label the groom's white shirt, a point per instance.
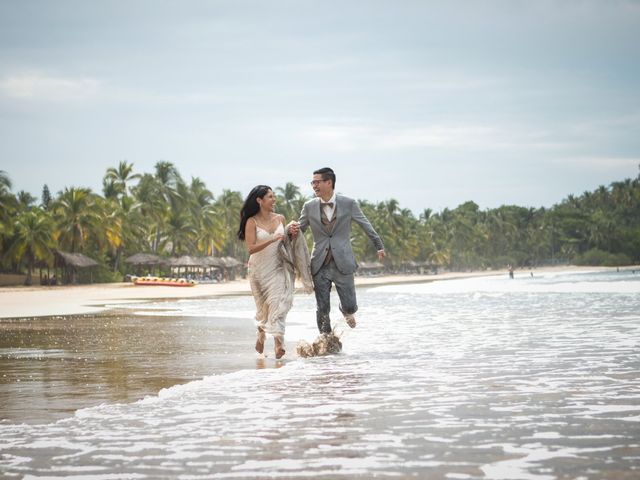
(329, 210)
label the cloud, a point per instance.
(467, 137)
(604, 164)
(41, 87)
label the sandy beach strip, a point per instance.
(38, 301)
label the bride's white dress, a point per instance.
(271, 285)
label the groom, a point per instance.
(330, 215)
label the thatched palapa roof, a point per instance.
(214, 262)
(144, 259)
(76, 260)
(230, 262)
(370, 265)
(187, 261)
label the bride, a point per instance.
(271, 282)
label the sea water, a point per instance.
(531, 378)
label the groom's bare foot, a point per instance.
(350, 319)
(260, 341)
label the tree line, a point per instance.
(162, 213)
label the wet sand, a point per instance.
(52, 366)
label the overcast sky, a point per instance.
(432, 103)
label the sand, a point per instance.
(38, 301)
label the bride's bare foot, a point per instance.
(280, 351)
(260, 341)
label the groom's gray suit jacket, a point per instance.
(338, 239)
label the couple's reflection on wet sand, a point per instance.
(53, 366)
(264, 362)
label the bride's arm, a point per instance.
(250, 238)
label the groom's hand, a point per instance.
(294, 228)
(381, 255)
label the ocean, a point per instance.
(532, 378)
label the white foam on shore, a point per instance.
(579, 282)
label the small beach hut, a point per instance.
(187, 262)
(71, 264)
(214, 264)
(370, 268)
(148, 260)
(232, 266)
(411, 266)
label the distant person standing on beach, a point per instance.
(332, 262)
(272, 282)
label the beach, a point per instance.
(39, 301)
(474, 377)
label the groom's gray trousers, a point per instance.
(345, 287)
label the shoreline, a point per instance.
(44, 301)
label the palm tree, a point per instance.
(388, 223)
(110, 189)
(426, 214)
(25, 200)
(5, 183)
(32, 239)
(110, 232)
(208, 237)
(7, 207)
(120, 176)
(7, 200)
(227, 207)
(180, 232)
(502, 232)
(168, 185)
(150, 209)
(602, 230)
(200, 194)
(168, 180)
(363, 249)
(290, 200)
(462, 235)
(203, 218)
(76, 216)
(435, 241)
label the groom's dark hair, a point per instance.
(327, 174)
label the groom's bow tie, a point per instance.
(327, 204)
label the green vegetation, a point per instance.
(161, 213)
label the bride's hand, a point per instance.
(293, 227)
(278, 237)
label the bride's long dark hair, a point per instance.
(251, 206)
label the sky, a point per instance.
(431, 103)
